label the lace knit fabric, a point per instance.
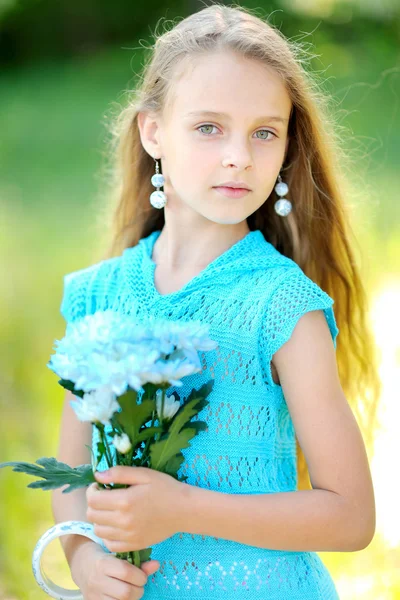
(252, 297)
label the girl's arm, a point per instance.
(338, 514)
(74, 434)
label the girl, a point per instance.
(250, 235)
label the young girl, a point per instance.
(249, 234)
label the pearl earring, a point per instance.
(158, 199)
(282, 206)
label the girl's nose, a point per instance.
(238, 156)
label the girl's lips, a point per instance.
(232, 192)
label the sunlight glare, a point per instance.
(384, 464)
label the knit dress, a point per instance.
(252, 297)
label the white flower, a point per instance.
(172, 370)
(183, 335)
(111, 349)
(97, 406)
(171, 406)
(122, 443)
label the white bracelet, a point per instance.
(64, 528)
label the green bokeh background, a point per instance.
(62, 66)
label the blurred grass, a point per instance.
(50, 155)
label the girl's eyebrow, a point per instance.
(220, 114)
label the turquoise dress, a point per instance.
(252, 297)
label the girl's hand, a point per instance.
(134, 518)
(101, 576)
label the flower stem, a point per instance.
(105, 444)
(144, 453)
(162, 404)
(132, 557)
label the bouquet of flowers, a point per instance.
(106, 360)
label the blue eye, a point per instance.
(259, 131)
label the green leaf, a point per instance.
(69, 385)
(148, 432)
(55, 474)
(166, 450)
(133, 415)
(145, 555)
(173, 465)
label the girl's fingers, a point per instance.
(102, 517)
(115, 588)
(109, 533)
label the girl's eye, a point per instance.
(259, 131)
(265, 131)
(202, 127)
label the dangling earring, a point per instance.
(158, 199)
(282, 206)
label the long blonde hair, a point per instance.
(316, 234)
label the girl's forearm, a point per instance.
(306, 520)
(70, 507)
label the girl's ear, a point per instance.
(149, 132)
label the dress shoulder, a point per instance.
(293, 295)
(84, 288)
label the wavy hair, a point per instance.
(316, 234)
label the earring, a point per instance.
(282, 206)
(158, 199)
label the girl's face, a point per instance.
(244, 141)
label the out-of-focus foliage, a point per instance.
(37, 28)
(51, 145)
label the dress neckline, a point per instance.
(149, 266)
